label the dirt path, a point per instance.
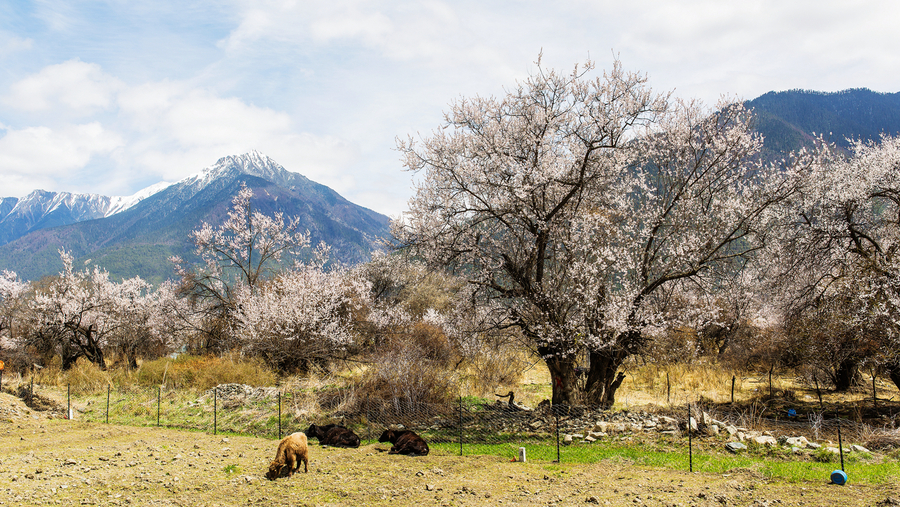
(57, 462)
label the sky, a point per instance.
(112, 96)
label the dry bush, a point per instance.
(204, 372)
(497, 369)
(415, 367)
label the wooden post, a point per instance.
(819, 393)
(874, 396)
(668, 389)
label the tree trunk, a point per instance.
(604, 377)
(563, 379)
(893, 370)
(846, 374)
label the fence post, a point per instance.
(460, 425)
(819, 393)
(31, 389)
(158, 402)
(668, 389)
(690, 441)
(556, 411)
(107, 403)
(279, 414)
(215, 409)
(841, 446)
(732, 389)
(69, 401)
(874, 397)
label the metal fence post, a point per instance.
(279, 414)
(841, 446)
(107, 403)
(556, 411)
(690, 441)
(733, 378)
(69, 401)
(158, 402)
(460, 425)
(215, 409)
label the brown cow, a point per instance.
(334, 435)
(405, 442)
(291, 451)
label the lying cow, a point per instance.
(291, 451)
(405, 442)
(334, 435)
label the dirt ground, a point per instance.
(52, 461)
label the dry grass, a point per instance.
(204, 372)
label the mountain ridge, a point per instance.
(140, 238)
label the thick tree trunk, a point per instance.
(604, 377)
(846, 374)
(563, 378)
(893, 370)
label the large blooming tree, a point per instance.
(577, 205)
(839, 255)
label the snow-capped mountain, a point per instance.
(42, 209)
(135, 235)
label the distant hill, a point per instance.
(788, 120)
(138, 237)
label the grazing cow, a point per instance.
(405, 442)
(334, 435)
(291, 451)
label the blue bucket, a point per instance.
(839, 477)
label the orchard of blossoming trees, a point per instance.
(584, 218)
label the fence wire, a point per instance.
(468, 427)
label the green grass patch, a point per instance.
(675, 457)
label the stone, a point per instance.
(794, 441)
(693, 424)
(766, 440)
(713, 429)
(813, 445)
(735, 447)
(858, 448)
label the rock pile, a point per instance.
(242, 391)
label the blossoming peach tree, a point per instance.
(577, 205)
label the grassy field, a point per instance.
(47, 460)
(60, 462)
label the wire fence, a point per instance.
(468, 427)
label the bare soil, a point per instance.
(52, 461)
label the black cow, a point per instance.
(333, 435)
(405, 442)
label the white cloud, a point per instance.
(75, 86)
(42, 151)
(10, 44)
